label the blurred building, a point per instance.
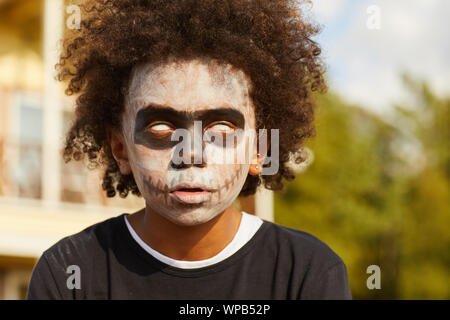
(42, 199)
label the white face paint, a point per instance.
(171, 96)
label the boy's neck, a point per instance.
(189, 243)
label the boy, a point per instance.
(162, 85)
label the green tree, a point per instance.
(426, 237)
(368, 199)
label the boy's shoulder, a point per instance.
(300, 245)
(84, 251)
(315, 270)
(91, 241)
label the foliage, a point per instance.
(377, 192)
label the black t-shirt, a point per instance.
(276, 263)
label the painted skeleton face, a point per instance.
(203, 100)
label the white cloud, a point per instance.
(325, 10)
(365, 65)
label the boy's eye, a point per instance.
(222, 127)
(160, 127)
(163, 128)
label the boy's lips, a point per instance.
(191, 193)
(192, 187)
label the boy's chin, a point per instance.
(192, 217)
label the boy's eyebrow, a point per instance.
(168, 113)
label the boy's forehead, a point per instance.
(188, 86)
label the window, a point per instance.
(27, 173)
(22, 147)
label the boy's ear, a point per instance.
(119, 150)
(259, 155)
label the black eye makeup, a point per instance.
(155, 124)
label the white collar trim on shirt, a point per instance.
(247, 228)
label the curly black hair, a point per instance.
(270, 40)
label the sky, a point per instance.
(368, 44)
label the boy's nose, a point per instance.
(192, 151)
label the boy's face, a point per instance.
(202, 99)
